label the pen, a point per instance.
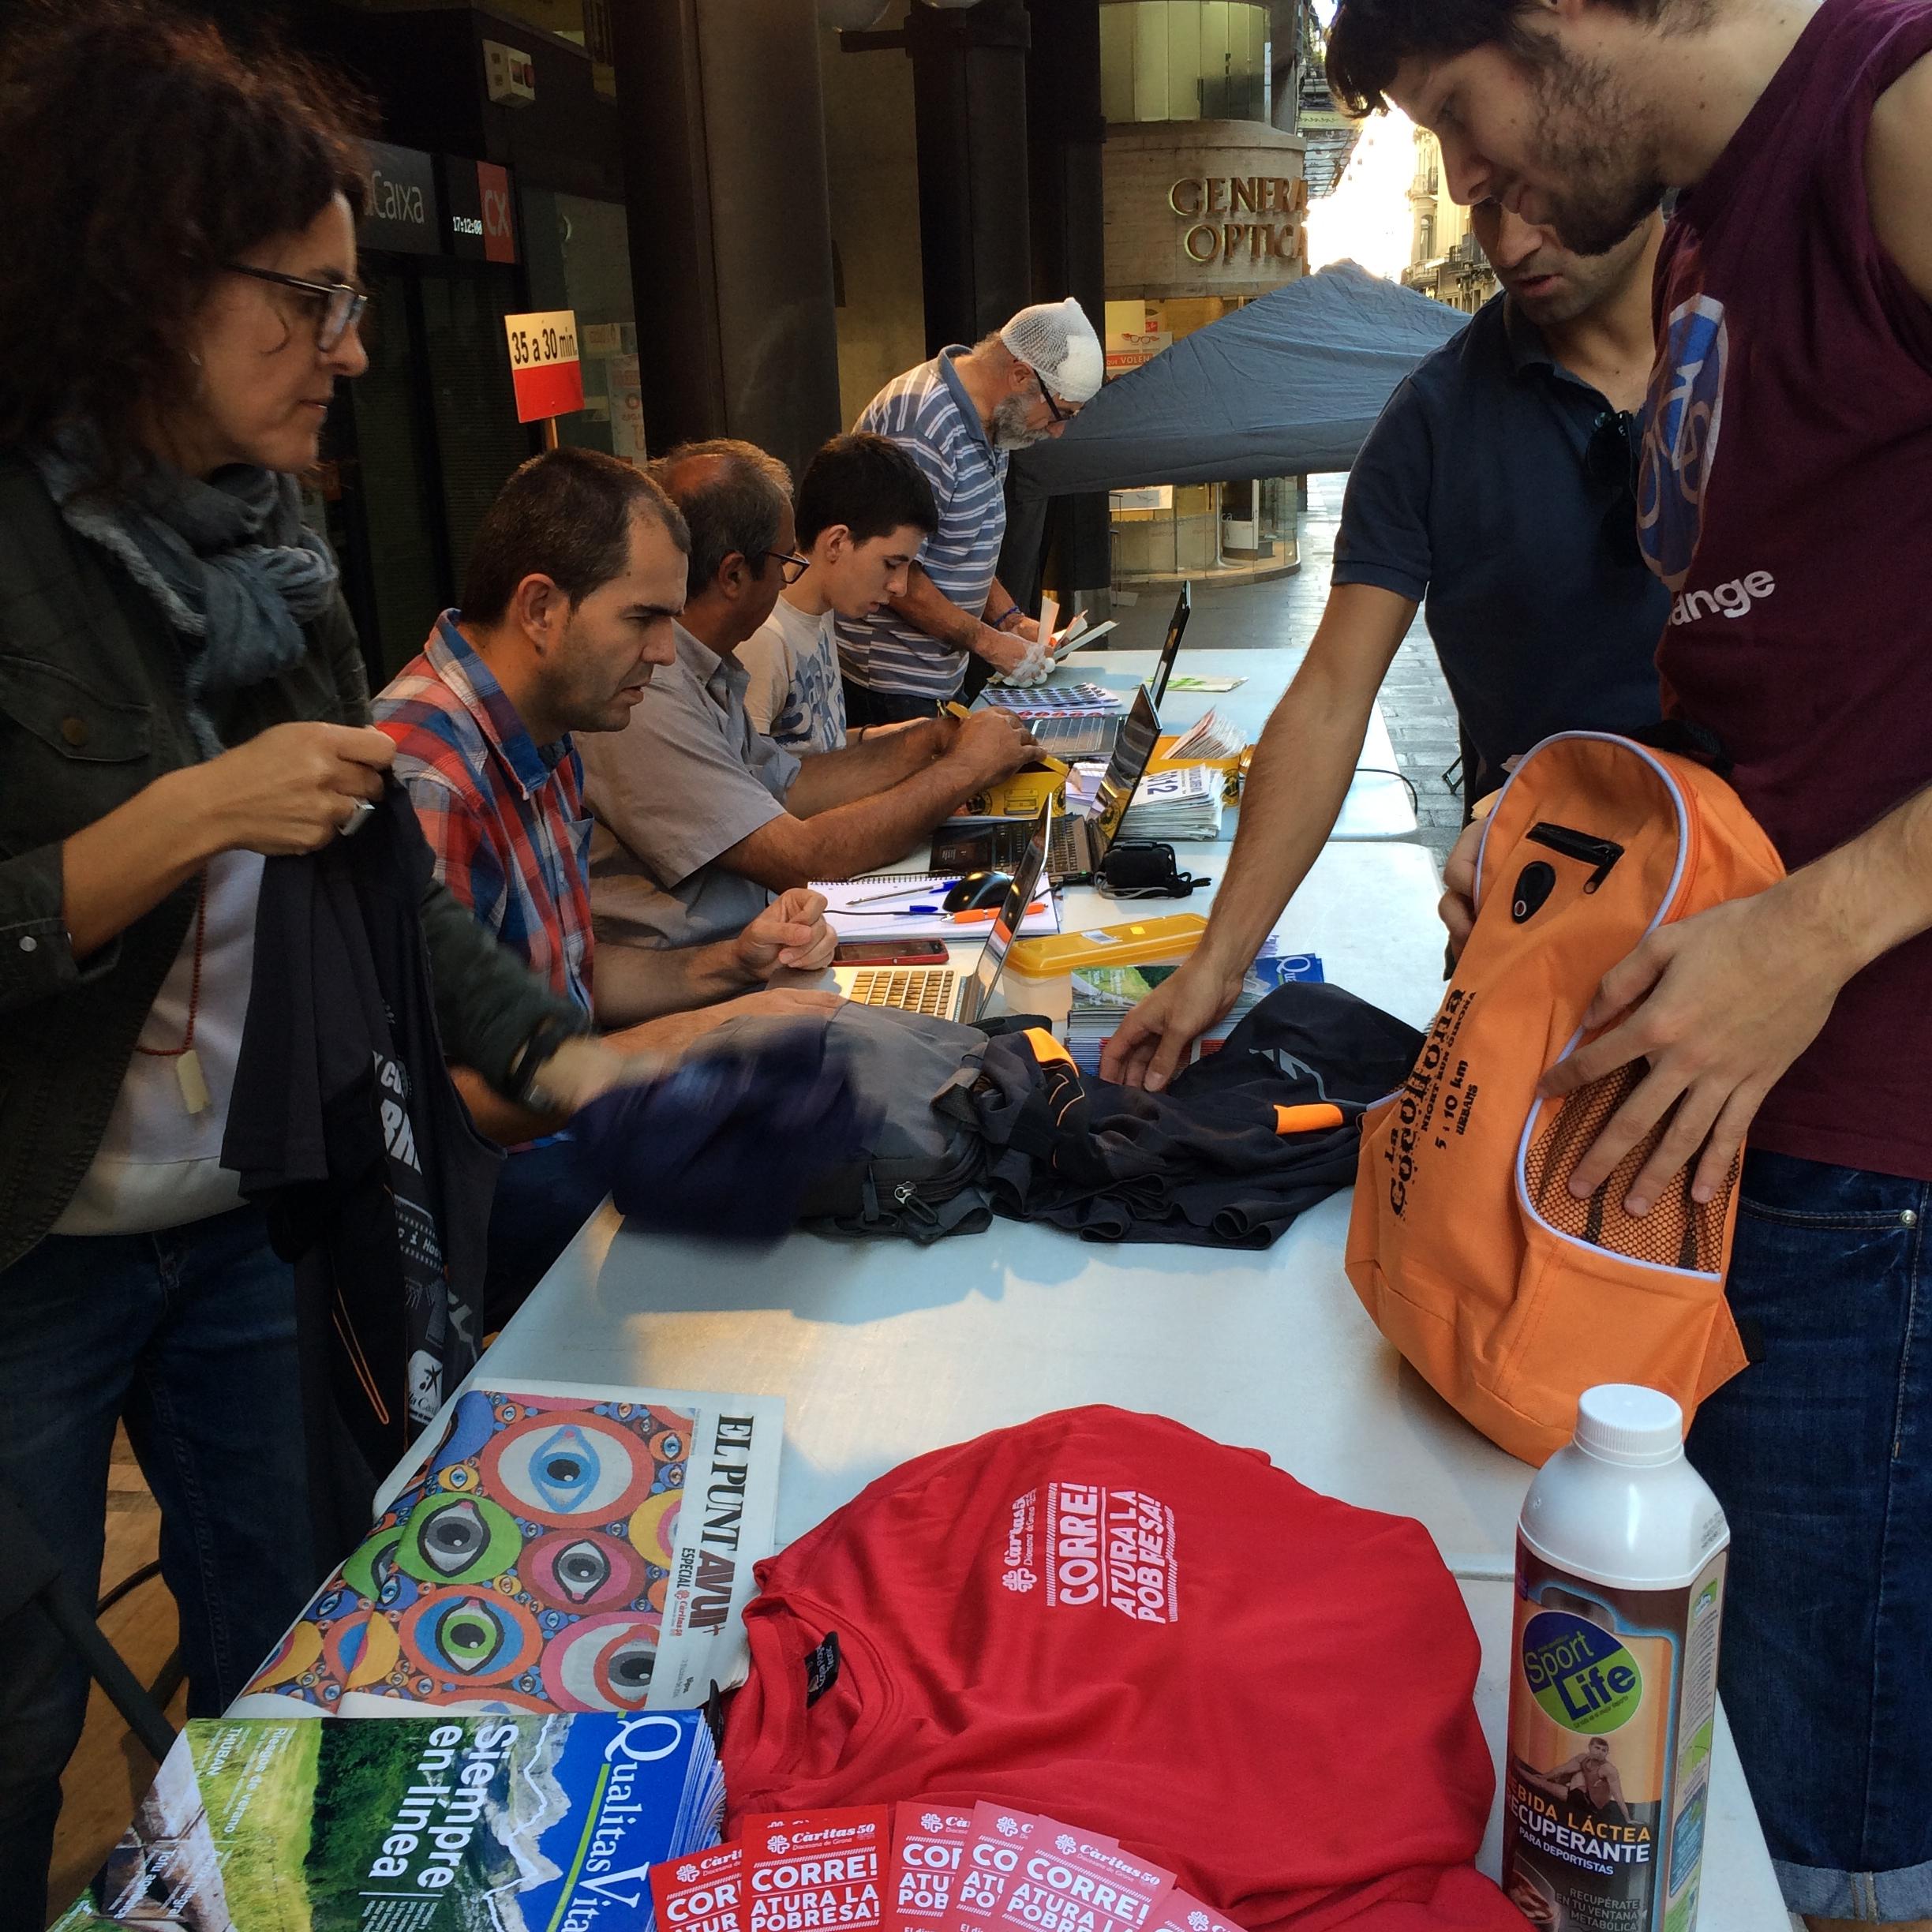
(923, 885)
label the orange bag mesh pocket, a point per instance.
(1677, 1233)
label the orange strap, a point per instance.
(1318, 1117)
(1045, 1047)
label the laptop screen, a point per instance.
(1133, 752)
(1177, 624)
(1007, 921)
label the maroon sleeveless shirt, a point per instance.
(1785, 498)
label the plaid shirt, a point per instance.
(504, 815)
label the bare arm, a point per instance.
(1898, 173)
(847, 840)
(880, 761)
(1299, 777)
(926, 608)
(634, 984)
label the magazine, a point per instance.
(517, 1823)
(560, 1546)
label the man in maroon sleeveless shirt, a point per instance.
(1783, 498)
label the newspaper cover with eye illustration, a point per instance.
(558, 1548)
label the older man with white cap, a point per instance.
(961, 415)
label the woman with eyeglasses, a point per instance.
(180, 694)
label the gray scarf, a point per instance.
(235, 570)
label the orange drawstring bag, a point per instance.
(1509, 1296)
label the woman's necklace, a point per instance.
(188, 1074)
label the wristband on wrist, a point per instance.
(1005, 617)
(521, 1080)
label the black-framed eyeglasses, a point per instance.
(792, 566)
(1046, 395)
(340, 306)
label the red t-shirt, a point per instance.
(1785, 496)
(1110, 1619)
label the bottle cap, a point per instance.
(1623, 1422)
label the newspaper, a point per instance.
(559, 1546)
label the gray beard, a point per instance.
(1010, 428)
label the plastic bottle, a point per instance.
(1620, 1560)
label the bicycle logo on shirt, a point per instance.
(1682, 415)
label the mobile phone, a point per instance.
(891, 952)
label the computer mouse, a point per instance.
(976, 891)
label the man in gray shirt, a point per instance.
(700, 818)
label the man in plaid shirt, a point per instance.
(578, 573)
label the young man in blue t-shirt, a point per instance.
(1496, 492)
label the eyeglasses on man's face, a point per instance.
(339, 306)
(1057, 410)
(792, 566)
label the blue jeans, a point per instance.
(543, 1197)
(1822, 1454)
(189, 1334)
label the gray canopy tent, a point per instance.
(1288, 385)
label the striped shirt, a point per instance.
(928, 412)
(504, 815)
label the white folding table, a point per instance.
(883, 1351)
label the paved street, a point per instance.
(1282, 617)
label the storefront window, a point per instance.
(393, 476)
(579, 257)
(1183, 60)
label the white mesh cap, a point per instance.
(1058, 342)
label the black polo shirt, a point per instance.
(1474, 496)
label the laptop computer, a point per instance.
(1089, 737)
(1171, 649)
(1079, 844)
(941, 991)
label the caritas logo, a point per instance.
(1090, 1546)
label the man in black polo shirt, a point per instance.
(1497, 486)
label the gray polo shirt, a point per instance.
(685, 780)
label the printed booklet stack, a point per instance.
(927, 1864)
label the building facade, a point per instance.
(1444, 260)
(1206, 202)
